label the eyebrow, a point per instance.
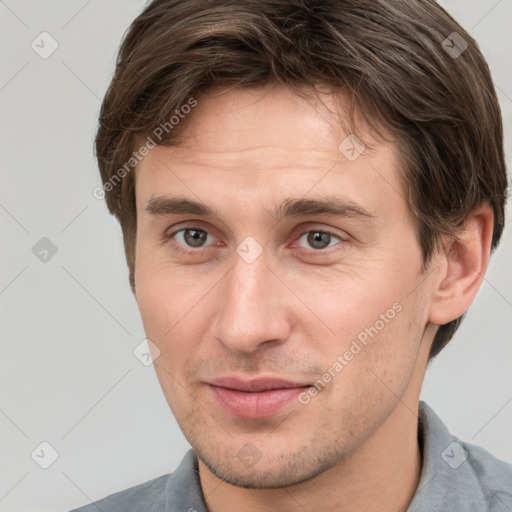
(329, 205)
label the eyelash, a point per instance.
(179, 246)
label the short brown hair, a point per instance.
(392, 56)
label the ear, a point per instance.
(464, 264)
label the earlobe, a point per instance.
(465, 262)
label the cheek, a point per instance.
(168, 319)
(352, 302)
(153, 300)
(164, 296)
(173, 306)
(158, 310)
(375, 326)
(390, 343)
(370, 370)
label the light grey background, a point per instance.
(69, 326)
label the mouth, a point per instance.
(254, 399)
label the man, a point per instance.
(309, 193)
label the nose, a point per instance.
(252, 307)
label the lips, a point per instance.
(253, 399)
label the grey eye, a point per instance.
(193, 237)
(319, 239)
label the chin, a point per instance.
(269, 472)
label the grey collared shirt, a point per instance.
(455, 477)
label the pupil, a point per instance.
(317, 239)
(195, 237)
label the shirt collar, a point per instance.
(448, 480)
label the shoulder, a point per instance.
(146, 497)
(180, 490)
(457, 475)
(493, 475)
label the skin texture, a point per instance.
(292, 311)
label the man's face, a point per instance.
(245, 295)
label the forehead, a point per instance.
(273, 142)
(231, 120)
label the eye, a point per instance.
(320, 239)
(191, 237)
